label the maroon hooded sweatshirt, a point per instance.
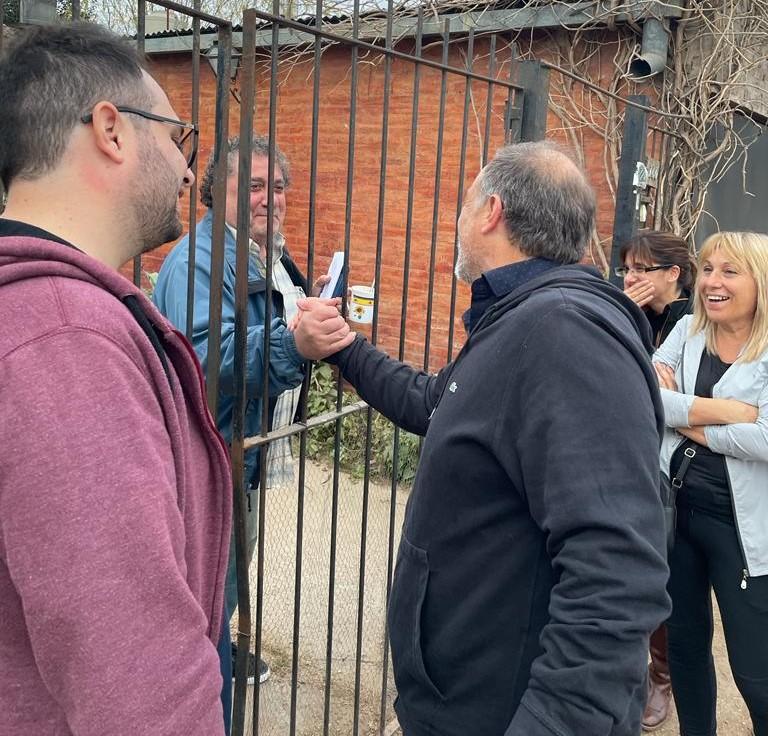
(115, 508)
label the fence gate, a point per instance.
(383, 134)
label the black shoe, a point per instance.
(262, 667)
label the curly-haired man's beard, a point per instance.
(156, 200)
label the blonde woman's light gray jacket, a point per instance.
(745, 446)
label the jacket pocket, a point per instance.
(405, 607)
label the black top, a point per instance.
(662, 324)
(705, 485)
(12, 228)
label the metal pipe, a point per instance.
(652, 58)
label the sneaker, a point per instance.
(253, 666)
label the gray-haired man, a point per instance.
(531, 568)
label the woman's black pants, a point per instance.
(707, 556)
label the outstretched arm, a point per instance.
(404, 395)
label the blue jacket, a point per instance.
(285, 362)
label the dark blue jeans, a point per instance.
(225, 663)
(707, 556)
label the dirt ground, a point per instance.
(325, 698)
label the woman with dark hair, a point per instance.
(658, 274)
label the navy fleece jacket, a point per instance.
(531, 569)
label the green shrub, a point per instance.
(352, 439)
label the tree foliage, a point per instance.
(10, 11)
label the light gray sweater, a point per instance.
(745, 446)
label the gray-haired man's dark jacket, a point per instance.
(531, 569)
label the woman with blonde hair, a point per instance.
(713, 372)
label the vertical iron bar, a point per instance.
(375, 329)
(436, 203)
(411, 185)
(140, 37)
(403, 318)
(332, 562)
(312, 215)
(656, 142)
(264, 451)
(366, 474)
(382, 171)
(339, 385)
(248, 95)
(193, 191)
(489, 100)
(75, 10)
(659, 207)
(512, 97)
(632, 151)
(219, 195)
(534, 80)
(460, 194)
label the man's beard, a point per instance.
(155, 204)
(465, 269)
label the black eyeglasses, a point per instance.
(187, 144)
(622, 271)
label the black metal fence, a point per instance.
(643, 192)
(315, 599)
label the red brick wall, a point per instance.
(294, 121)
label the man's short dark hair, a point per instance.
(49, 77)
(259, 147)
(549, 206)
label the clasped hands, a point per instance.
(319, 329)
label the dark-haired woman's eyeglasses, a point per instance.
(186, 143)
(622, 271)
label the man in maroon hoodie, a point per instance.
(115, 491)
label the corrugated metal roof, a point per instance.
(307, 20)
